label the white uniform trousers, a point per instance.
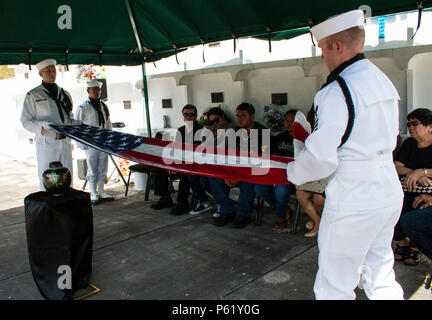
(354, 243)
(45, 154)
(97, 165)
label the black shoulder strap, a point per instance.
(67, 102)
(64, 104)
(105, 109)
(351, 111)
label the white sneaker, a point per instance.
(218, 212)
(201, 207)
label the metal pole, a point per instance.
(146, 102)
(140, 48)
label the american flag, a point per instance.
(182, 157)
(301, 130)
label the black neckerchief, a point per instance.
(51, 87)
(334, 74)
(62, 100)
(96, 103)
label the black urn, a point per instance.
(56, 179)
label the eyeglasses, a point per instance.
(189, 114)
(413, 123)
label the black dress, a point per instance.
(413, 158)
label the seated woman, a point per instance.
(414, 163)
(219, 124)
(311, 198)
(417, 224)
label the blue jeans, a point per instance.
(220, 192)
(417, 225)
(276, 196)
(199, 186)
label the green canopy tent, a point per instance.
(133, 32)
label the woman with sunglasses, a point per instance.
(414, 162)
(219, 124)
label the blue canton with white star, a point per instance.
(101, 138)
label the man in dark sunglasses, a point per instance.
(414, 123)
(184, 134)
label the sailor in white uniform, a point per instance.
(364, 195)
(94, 112)
(44, 105)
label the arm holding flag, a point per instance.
(318, 159)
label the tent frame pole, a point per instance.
(144, 75)
(146, 101)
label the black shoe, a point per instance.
(180, 208)
(164, 202)
(240, 221)
(223, 219)
(201, 207)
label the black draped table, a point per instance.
(60, 241)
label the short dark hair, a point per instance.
(219, 112)
(246, 107)
(421, 114)
(291, 111)
(190, 106)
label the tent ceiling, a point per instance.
(161, 25)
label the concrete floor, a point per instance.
(144, 254)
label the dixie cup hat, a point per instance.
(338, 23)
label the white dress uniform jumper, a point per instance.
(94, 112)
(47, 104)
(364, 195)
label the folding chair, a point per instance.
(260, 209)
(82, 171)
(150, 171)
(141, 169)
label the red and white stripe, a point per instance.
(211, 162)
(301, 130)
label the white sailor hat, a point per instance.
(94, 83)
(45, 63)
(335, 24)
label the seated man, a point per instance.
(191, 126)
(417, 225)
(278, 196)
(245, 119)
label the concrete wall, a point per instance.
(201, 87)
(166, 88)
(421, 66)
(262, 83)
(255, 85)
